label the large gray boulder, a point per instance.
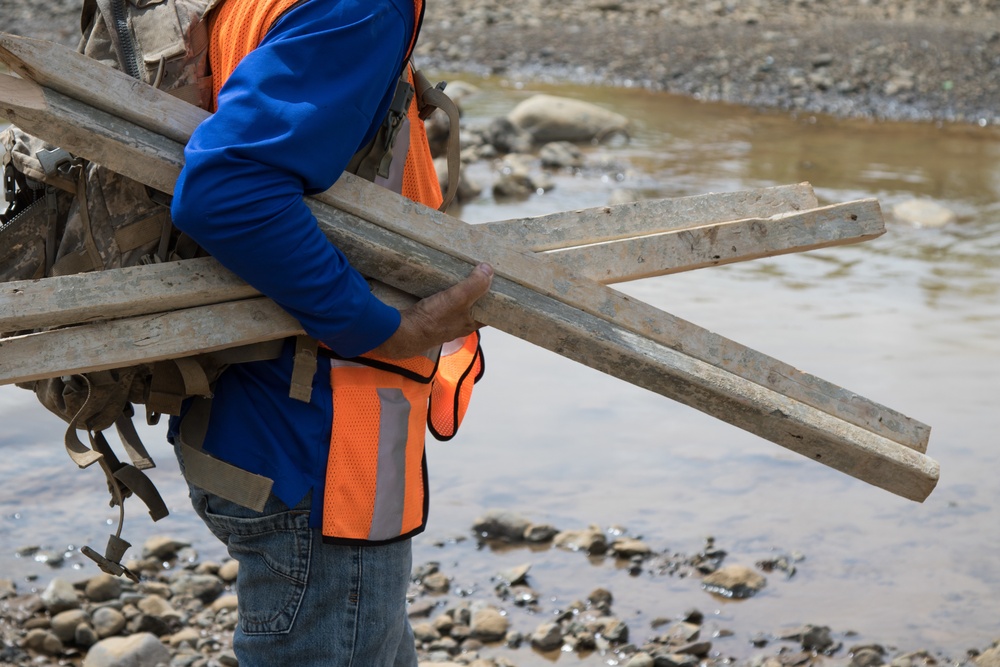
(551, 118)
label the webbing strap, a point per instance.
(303, 368)
(138, 483)
(225, 480)
(212, 474)
(142, 232)
(131, 441)
(429, 98)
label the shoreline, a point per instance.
(846, 62)
(891, 60)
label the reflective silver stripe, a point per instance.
(390, 485)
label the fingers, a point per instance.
(439, 318)
(475, 285)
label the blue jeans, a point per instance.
(306, 603)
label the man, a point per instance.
(310, 83)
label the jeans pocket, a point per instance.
(274, 553)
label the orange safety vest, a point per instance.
(376, 478)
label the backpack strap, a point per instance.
(430, 98)
(215, 475)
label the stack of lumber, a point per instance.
(550, 286)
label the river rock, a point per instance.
(502, 525)
(628, 547)
(162, 548)
(489, 625)
(85, 636)
(103, 587)
(64, 623)
(8, 589)
(591, 540)
(204, 587)
(640, 660)
(468, 189)
(552, 118)
(868, 656)
(158, 607)
(228, 570)
(923, 213)
(621, 196)
(425, 632)
(514, 576)
(734, 581)
(43, 641)
(228, 602)
(139, 650)
(990, 658)
(540, 533)
(560, 155)
(60, 595)
(507, 137)
(436, 582)
(547, 637)
(108, 621)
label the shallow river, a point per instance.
(910, 320)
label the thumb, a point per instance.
(474, 286)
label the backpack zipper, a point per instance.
(130, 61)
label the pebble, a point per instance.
(489, 625)
(734, 581)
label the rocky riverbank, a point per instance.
(183, 612)
(895, 59)
(887, 59)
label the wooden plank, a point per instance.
(118, 343)
(116, 293)
(628, 339)
(123, 96)
(723, 243)
(100, 136)
(608, 223)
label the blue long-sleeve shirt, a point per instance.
(288, 120)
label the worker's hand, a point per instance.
(439, 318)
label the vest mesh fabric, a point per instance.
(238, 26)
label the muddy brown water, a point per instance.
(910, 320)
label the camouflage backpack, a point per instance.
(65, 215)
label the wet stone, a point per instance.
(489, 625)
(139, 649)
(501, 525)
(540, 533)
(515, 575)
(734, 581)
(547, 637)
(591, 541)
(43, 641)
(64, 624)
(60, 595)
(103, 587)
(108, 621)
(437, 583)
(162, 548)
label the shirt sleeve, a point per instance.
(289, 119)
